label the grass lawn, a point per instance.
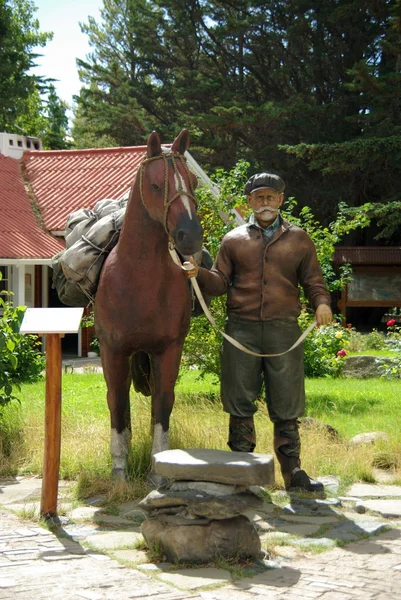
(350, 406)
(386, 353)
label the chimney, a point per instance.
(14, 144)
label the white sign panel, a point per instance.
(51, 320)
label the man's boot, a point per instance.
(242, 436)
(287, 446)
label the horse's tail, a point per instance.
(141, 373)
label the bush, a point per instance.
(20, 359)
(392, 370)
(324, 348)
(375, 340)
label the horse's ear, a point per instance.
(181, 142)
(154, 146)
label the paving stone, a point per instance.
(344, 532)
(133, 556)
(79, 532)
(386, 508)
(192, 579)
(323, 541)
(370, 490)
(84, 512)
(155, 567)
(114, 540)
(89, 595)
(105, 519)
(25, 532)
(293, 518)
(300, 528)
(6, 582)
(220, 466)
(311, 510)
(274, 535)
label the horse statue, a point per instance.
(143, 301)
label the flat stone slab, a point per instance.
(386, 508)
(369, 490)
(24, 490)
(131, 556)
(114, 540)
(237, 468)
(192, 579)
(199, 503)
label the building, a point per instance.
(39, 189)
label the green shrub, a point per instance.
(321, 348)
(20, 359)
(375, 340)
(392, 370)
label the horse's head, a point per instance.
(167, 192)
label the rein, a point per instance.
(234, 342)
(174, 157)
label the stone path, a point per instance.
(333, 549)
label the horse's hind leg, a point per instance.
(117, 373)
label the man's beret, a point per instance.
(264, 181)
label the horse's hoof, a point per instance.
(119, 474)
(156, 481)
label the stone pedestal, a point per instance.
(198, 515)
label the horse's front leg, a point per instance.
(117, 373)
(165, 369)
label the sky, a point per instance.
(62, 17)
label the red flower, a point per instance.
(391, 322)
(341, 353)
(349, 325)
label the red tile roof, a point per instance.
(368, 255)
(66, 180)
(20, 233)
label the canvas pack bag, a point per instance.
(90, 235)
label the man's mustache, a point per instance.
(262, 209)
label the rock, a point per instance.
(220, 466)
(330, 482)
(224, 538)
(369, 438)
(201, 504)
(361, 367)
(214, 489)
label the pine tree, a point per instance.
(19, 35)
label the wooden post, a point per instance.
(55, 323)
(51, 460)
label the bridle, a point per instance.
(174, 157)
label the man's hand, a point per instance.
(190, 272)
(323, 314)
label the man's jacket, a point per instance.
(261, 280)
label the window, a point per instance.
(19, 143)
(36, 145)
(4, 281)
(11, 142)
(28, 143)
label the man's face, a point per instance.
(265, 204)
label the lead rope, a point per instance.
(196, 289)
